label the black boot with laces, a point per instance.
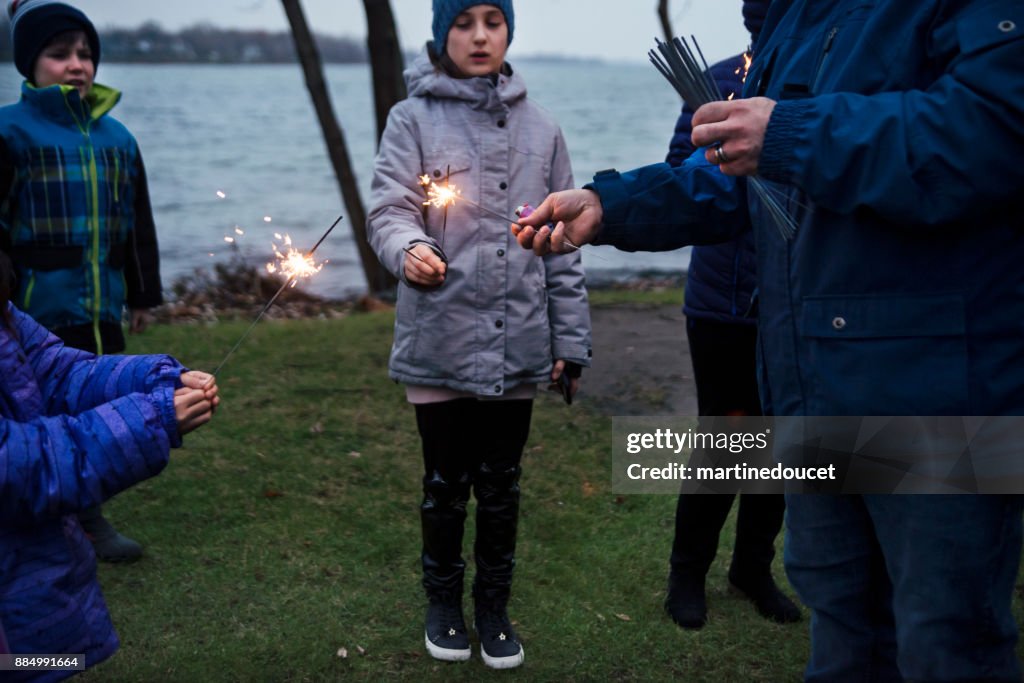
(446, 636)
(499, 644)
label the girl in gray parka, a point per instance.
(479, 323)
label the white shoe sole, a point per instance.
(510, 662)
(446, 654)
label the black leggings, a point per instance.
(478, 445)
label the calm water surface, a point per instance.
(250, 132)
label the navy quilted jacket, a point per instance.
(74, 430)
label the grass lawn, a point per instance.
(282, 543)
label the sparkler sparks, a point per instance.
(292, 263)
(292, 277)
(441, 197)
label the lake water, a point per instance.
(251, 133)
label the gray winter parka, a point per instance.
(502, 315)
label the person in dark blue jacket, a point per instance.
(890, 132)
(722, 336)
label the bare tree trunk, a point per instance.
(386, 59)
(666, 22)
(377, 278)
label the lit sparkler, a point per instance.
(294, 265)
(443, 197)
(692, 79)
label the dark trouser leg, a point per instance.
(724, 360)
(953, 562)
(757, 524)
(699, 520)
(834, 562)
(502, 428)
(446, 482)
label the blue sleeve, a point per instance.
(53, 466)
(72, 381)
(918, 157)
(660, 208)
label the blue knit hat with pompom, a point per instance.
(447, 11)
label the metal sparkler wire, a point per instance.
(270, 303)
(694, 83)
(447, 186)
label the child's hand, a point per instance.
(140, 319)
(556, 373)
(196, 379)
(191, 408)
(423, 266)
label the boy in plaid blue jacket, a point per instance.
(75, 215)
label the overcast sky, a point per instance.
(612, 29)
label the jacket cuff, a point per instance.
(572, 352)
(614, 195)
(163, 400)
(400, 273)
(778, 156)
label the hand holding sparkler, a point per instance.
(196, 400)
(578, 215)
(423, 266)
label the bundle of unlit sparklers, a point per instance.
(693, 81)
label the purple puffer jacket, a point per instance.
(74, 430)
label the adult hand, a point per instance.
(578, 214)
(556, 372)
(737, 128)
(423, 266)
(140, 319)
(196, 379)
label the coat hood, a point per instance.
(426, 78)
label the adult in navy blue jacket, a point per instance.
(722, 335)
(74, 430)
(892, 128)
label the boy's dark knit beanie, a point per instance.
(34, 23)
(446, 11)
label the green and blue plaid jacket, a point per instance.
(75, 214)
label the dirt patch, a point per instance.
(641, 362)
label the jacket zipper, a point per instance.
(93, 192)
(28, 290)
(830, 39)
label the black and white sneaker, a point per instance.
(445, 633)
(499, 644)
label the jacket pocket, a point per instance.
(447, 163)
(886, 355)
(990, 26)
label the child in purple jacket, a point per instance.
(74, 430)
